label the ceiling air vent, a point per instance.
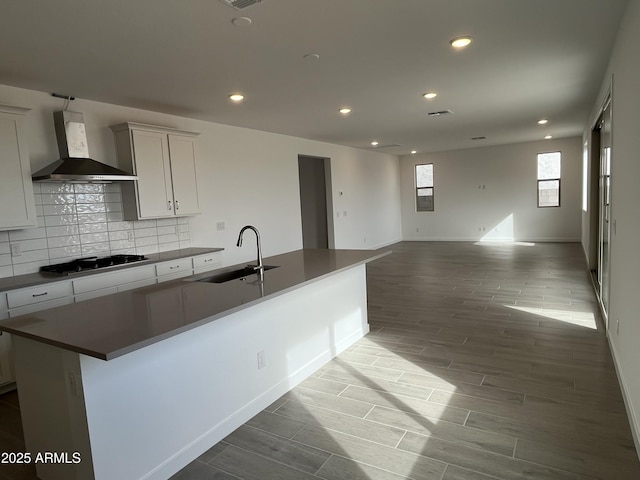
(387, 145)
(240, 4)
(440, 113)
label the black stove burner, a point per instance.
(91, 263)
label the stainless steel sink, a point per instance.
(234, 274)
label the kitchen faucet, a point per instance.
(259, 267)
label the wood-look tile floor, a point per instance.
(484, 362)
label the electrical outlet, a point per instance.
(417, 229)
(262, 362)
(16, 249)
(220, 226)
(364, 239)
(130, 236)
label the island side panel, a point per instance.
(52, 410)
(151, 412)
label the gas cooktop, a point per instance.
(91, 263)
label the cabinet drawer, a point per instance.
(112, 279)
(210, 261)
(96, 294)
(36, 307)
(175, 276)
(139, 284)
(175, 266)
(43, 293)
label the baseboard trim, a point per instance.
(465, 239)
(628, 405)
(634, 425)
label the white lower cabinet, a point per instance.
(22, 302)
(94, 286)
(54, 294)
(44, 294)
(182, 267)
(209, 261)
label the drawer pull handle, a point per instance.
(39, 294)
(173, 268)
(208, 260)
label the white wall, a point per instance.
(244, 177)
(625, 202)
(493, 188)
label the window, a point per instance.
(549, 179)
(424, 188)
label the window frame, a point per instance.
(418, 188)
(558, 179)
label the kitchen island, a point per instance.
(138, 384)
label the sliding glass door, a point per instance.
(604, 206)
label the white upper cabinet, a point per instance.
(165, 162)
(17, 208)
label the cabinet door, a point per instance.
(17, 207)
(183, 173)
(151, 153)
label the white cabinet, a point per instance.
(174, 269)
(40, 294)
(21, 302)
(93, 286)
(54, 294)
(165, 162)
(206, 262)
(17, 208)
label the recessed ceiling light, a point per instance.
(413, 152)
(547, 137)
(460, 42)
(543, 121)
(236, 97)
(241, 21)
(345, 110)
(375, 143)
(430, 95)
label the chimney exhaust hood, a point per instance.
(74, 165)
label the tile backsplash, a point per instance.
(84, 220)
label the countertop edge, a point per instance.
(118, 352)
(236, 309)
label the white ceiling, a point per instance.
(529, 59)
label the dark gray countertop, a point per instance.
(114, 325)
(31, 279)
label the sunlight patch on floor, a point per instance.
(581, 319)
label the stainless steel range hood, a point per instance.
(75, 166)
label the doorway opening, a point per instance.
(315, 201)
